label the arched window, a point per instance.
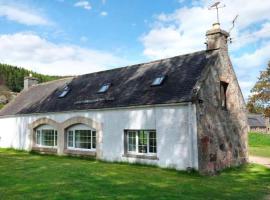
(81, 137)
(46, 136)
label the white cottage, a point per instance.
(182, 112)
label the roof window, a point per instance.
(64, 92)
(158, 80)
(104, 88)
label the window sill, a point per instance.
(80, 149)
(80, 152)
(147, 157)
(44, 149)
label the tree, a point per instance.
(12, 77)
(259, 101)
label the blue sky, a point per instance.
(67, 37)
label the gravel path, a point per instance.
(260, 160)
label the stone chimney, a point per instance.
(217, 38)
(29, 81)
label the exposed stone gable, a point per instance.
(222, 134)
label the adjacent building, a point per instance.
(258, 123)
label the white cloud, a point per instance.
(246, 86)
(22, 15)
(103, 13)
(249, 65)
(84, 4)
(168, 41)
(176, 33)
(33, 52)
(254, 59)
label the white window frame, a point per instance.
(136, 152)
(38, 141)
(80, 127)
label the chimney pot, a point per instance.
(29, 81)
(217, 38)
(216, 26)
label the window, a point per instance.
(38, 136)
(223, 95)
(104, 88)
(152, 142)
(141, 142)
(81, 137)
(46, 136)
(158, 81)
(132, 140)
(64, 92)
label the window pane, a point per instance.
(142, 146)
(152, 142)
(64, 92)
(55, 138)
(38, 137)
(104, 88)
(132, 141)
(83, 139)
(70, 139)
(47, 138)
(158, 80)
(93, 139)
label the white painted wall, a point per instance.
(175, 127)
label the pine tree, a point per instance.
(13, 77)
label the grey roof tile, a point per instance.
(256, 120)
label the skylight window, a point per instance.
(158, 80)
(64, 92)
(104, 88)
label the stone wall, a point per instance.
(265, 130)
(222, 133)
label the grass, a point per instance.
(259, 144)
(33, 176)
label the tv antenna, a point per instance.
(217, 7)
(233, 22)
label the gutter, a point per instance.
(98, 109)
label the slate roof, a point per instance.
(130, 86)
(256, 120)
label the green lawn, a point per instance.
(259, 144)
(32, 176)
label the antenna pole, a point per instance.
(217, 15)
(217, 7)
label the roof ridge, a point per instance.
(56, 80)
(145, 63)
